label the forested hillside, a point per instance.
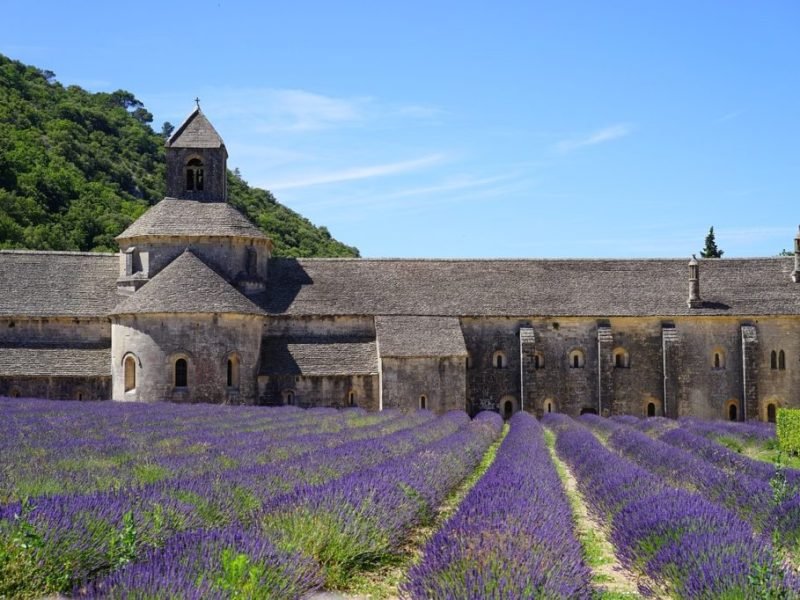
(76, 168)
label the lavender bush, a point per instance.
(512, 536)
(219, 564)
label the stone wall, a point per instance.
(55, 332)
(57, 388)
(215, 177)
(228, 256)
(440, 380)
(780, 387)
(683, 349)
(333, 391)
(320, 326)
(204, 341)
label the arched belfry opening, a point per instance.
(194, 175)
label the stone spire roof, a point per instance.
(187, 285)
(195, 132)
(191, 218)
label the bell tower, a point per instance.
(197, 161)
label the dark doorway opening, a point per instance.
(651, 409)
(508, 409)
(733, 412)
(588, 411)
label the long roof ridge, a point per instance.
(522, 259)
(58, 252)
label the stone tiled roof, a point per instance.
(187, 285)
(419, 336)
(52, 284)
(603, 288)
(195, 132)
(191, 218)
(55, 362)
(318, 356)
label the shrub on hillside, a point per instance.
(788, 430)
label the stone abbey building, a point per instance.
(195, 309)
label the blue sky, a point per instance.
(472, 129)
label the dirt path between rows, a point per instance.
(609, 577)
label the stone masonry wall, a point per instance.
(205, 341)
(441, 380)
(57, 388)
(333, 391)
(55, 332)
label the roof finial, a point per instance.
(197, 101)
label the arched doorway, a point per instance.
(733, 412)
(651, 409)
(507, 406)
(771, 413)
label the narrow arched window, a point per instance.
(194, 175)
(232, 372)
(576, 359)
(130, 373)
(773, 360)
(548, 406)
(499, 360)
(181, 373)
(538, 361)
(290, 397)
(719, 361)
(351, 398)
(423, 402)
(781, 360)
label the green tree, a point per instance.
(711, 250)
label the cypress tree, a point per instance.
(711, 250)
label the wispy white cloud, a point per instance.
(417, 111)
(356, 173)
(299, 110)
(728, 116)
(278, 110)
(607, 134)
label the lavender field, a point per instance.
(133, 501)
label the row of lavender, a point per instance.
(512, 536)
(314, 535)
(692, 543)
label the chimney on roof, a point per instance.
(796, 272)
(694, 284)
